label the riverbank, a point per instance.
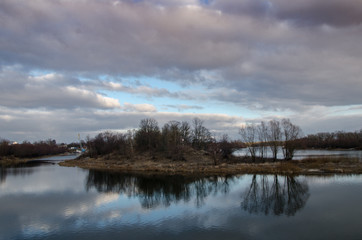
(13, 161)
(203, 164)
(9, 161)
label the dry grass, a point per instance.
(11, 161)
(201, 163)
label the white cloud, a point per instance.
(19, 90)
(144, 107)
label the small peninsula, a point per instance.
(202, 163)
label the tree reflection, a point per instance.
(17, 170)
(2, 175)
(275, 195)
(155, 190)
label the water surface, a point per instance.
(47, 201)
(309, 153)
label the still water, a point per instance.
(46, 201)
(309, 153)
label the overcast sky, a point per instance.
(85, 66)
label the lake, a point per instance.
(42, 200)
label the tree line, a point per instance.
(173, 140)
(30, 150)
(326, 140)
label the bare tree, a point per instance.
(200, 134)
(262, 131)
(226, 146)
(248, 135)
(185, 131)
(148, 135)
(172, 140)
(274, 137)
(130, 136)
(291, 133)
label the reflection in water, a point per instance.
(155, 190)
(24, 168)
(267, 194)
(20, 170)
(52, 203)
(2, 175)
(276, 195)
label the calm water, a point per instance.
(46, 201)
(310, 153)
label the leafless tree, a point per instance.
(291, 133)
(248, 135)
(200, 134)
(274, 137)
(185, 131)
(262, 132)
(172, 140)
(148, 135)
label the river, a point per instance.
(42, 200)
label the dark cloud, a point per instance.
(302, 12)
(316, 12)
(102, 36)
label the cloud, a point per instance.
(140, 90)
(224, 44)
(304, 12)
(145, 107)
(100, 36)
(282, 57)
(182, 107)
(64, 124)
(330, 12)
(20, 90)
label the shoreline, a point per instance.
(326, 166)
(199, 163)
(11, 161)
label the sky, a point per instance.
(87, 66)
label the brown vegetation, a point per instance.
(15, 152)
(202, 163)
(179, 148)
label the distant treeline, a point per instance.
(343, 140)
(30, 150)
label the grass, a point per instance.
(201, 163)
